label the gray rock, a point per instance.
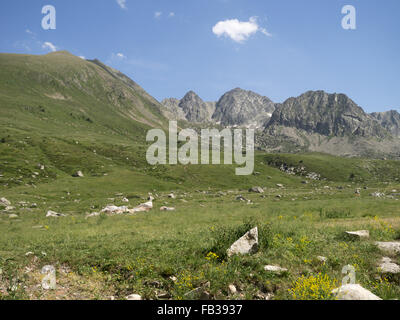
(389, 247)
(54, 214)
(387, 266)
(78, 174)
(4, 202)
(248, 244)
(361, 234)
(257, 190)
(134, 297)
(275, 269)
(354, 292)
(167, 209)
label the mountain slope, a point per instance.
(331, 123)
(59, 92)
(239, 107)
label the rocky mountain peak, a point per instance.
(240, 107)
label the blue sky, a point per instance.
(278, 48)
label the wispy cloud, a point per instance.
(122, 4)
(157, 14)
(171, 14)
(119, 56)
(238, 31)
(49, 46)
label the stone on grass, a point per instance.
(322, 259)
(387, 266)
(13, 216)
(4, 202)
(232, 289)
(257, 190)
(111, 209)
(389, 247)
(167, 209)
(134, 297)
(78, 174)
(248, 244)
(275, 269)
(354, 292)
(54, 214)
(171, 196)
(361, 234)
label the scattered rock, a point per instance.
(78, 174)
(13, 216)
(361, 234)
(171, 196)
(387, 266)
(232, 289)
(257, 190)
(322, 259)
(354, 292)
(167, 209)
(275, 269)
(54, 214)
(377, 195)
(144, 207)
(389, 247)
(134, 297)
(4, 202)
(280, 185)
(248, 244)
(241, 198)
(93, 214)
(111, 209)
(125, 200)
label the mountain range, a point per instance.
(61, 95)
(314, 121)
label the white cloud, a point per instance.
(122, 4)
(121, 55)
(171, 14)
(50, 46)
(82, 57)
(157, 14)
(28, 31)
(238, 31)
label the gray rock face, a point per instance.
(330, 123)
(243, 108)
(191, 108)
(354, 292)
(326, 114)
(195, 109)
(390, 120)
(172, 110)
(248, 244)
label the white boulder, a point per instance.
(247, 244)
